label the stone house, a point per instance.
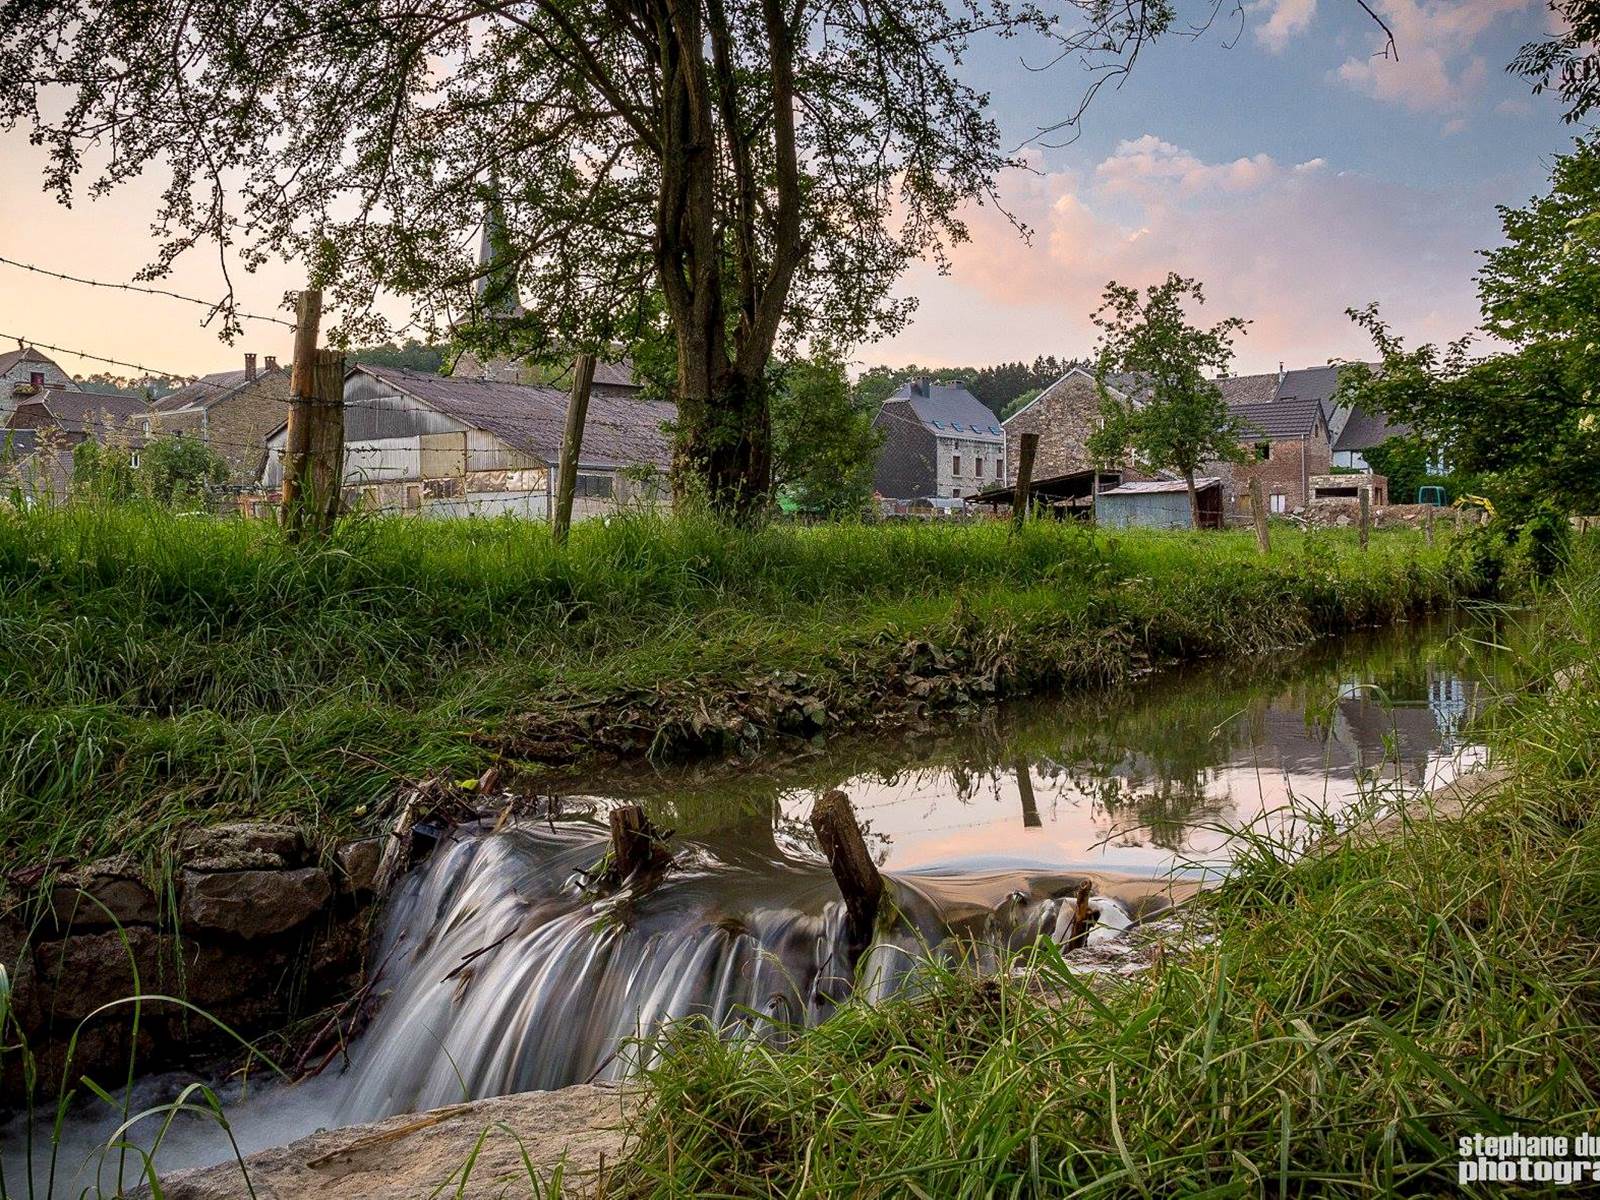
(25, 373)
(433, 445)
(1064, 415)
(45, 414)
(939, 443)
(232, 412)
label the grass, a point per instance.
(1356, 1012)
(164, 670)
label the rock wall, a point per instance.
(246, 927)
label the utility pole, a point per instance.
(1019, 496)
(572, 444)
(313, 461)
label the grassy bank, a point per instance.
(164, 669)
(1357, 1012)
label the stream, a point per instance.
(498, 972)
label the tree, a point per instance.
(168, 470)
(767, 167)
(996, 387)
(1526, 421)
(1566, 59)
(1174, 417)
(824, 447)
(1019, 402)
(412, 356)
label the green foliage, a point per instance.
(170, 470)
(1175, 417)
(1525, 423)
(824, 448)
(428, 358)
(1567, 58)
(1019, 402)
(1405, 461)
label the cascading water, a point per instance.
(508, 976)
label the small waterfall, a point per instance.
(500, 973)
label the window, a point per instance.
(1263, 451)
(977, 468)
(1279, 503)
(594, 486)
(133, 460)
(955, 464)
(956, 492)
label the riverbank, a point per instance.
(1354, 1013)
(166, 671)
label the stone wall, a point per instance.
(248, 928)
(1063, 415)
(237, 425)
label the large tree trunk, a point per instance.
(724, 445)
(1194, 500)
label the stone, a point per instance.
(252, 904)
(356, 866)
(85, 971)
(417, 1155)
(103, 895)
(244, 846)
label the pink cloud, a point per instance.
(1289, 246)
(1437, 68)
(1285, 19)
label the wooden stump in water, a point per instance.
(1079, 935)
(636, 846)
(853, 869)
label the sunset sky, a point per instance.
(1281, 163)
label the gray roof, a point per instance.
(1311, 383)
(1365, 431)
(619, 432)
(207, 390)
(91, 413)
(1147, 486)
(1280, 418)
(1249, 389)
(17, 443)
(948, 409)
(11, 358)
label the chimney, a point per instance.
(272, 362)
(36, 380)
(249, 366)
(1281, 372)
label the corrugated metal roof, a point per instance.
(618, 432)
(1150, 486)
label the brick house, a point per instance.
(230, 411)
(1288, 445)
(939, 443)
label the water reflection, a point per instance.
(1143, 780)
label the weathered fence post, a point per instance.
(853, 869)
(1019, 495)
(572, 445)
(1366, 512)
(1258, 509)
(324, 472)
(1427, 525)
(302, 401)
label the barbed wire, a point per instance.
(214, 306)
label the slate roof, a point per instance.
(1249, 389)
(1280, 418)
(203, 392)
(618, 433)
(11, 358)
(1311, 383)
(1364, 431)
(91, 413)
(948, 409)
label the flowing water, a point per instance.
(500, 971)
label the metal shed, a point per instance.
(1159, 504)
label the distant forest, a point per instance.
(1002, 388)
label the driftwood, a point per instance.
(1078, 936)
(853, 869)
(638, 848)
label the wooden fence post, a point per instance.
(1366, 512)
(1427, 525)
(1258, 510)
(572, 445)
(853, 869)
(302, 391)
(1020, 494)
(1030, 806)
(324, 471)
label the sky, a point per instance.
(1275, 157)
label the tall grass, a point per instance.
(164, 668)
(1357, 1011)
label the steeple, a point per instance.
(497, 287)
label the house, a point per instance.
(449, 446)
(1160, 504)
(939, 443)
(233, 412)
(1064, 415)
(1287, 444)
(25, 373)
